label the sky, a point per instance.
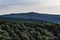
(41, 6)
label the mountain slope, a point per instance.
(29, 30)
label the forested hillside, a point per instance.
(29, 30)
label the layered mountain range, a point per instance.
(34, 16)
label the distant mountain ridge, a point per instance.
(35, 16)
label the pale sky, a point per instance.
(42, 6)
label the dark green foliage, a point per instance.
(29, 30)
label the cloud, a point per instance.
(17, 2)
(47, 6)
(22, 3)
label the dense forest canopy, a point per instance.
(29, 30)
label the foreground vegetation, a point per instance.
(29, 30)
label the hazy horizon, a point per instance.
(21, 6)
